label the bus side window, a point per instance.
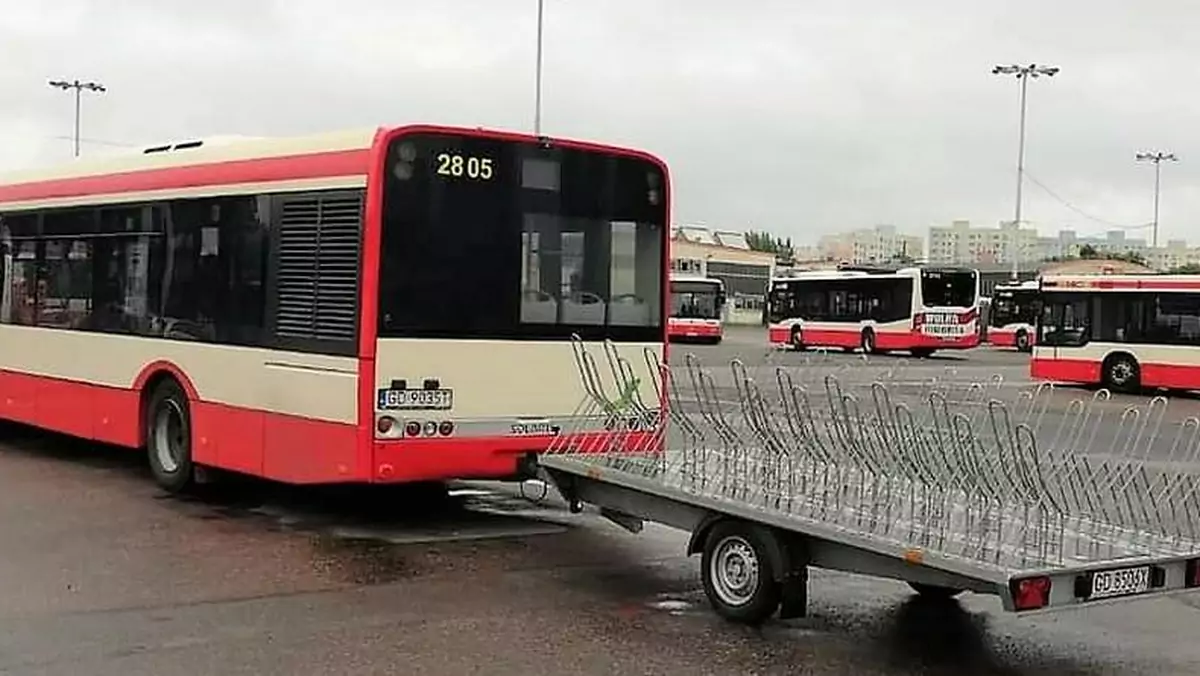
(20, 269)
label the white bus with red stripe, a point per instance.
(1124, 332)
(1012, 315)
(919, 310)
(385, 305)
(696, 308)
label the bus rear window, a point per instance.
(949, 288)
(491, 239)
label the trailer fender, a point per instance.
(787, 553)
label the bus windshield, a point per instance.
(1010, 307)
(695, 300)
(489, 238)
(949, 288)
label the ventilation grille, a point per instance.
(319, 240)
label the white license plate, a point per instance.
(420, 400)
(1123, 582)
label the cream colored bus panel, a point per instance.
(502, 379)
(312, 386)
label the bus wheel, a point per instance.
(868, 341)
(797, 340)
(1121, 373)
(169, 437)
(1022, 341)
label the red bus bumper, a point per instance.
(677, 330)
(964, 342)
(503, 457)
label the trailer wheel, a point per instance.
(739, 577)
(169, 437)
(932, 591)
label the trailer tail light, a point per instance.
(1031, 593)
(1192, 579)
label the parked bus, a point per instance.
(919, 310)
(696, 308)
(1012, 315)
(1123, 332)
(388, 305)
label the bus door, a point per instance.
(1065, 322)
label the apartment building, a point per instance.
(880, 244)
(961, 243)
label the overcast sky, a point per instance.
(799, 117)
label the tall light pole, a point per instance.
(1023, 74)
(1157, 157)
(78, 87)
(537, 96)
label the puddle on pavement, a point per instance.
(391, 516)
(674, 607)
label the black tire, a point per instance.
(733, 551)
(931, 591)
(867, 341)
(168, 423)
(922, 352)
(1022, 341)
(797, 339)
(1121, 373)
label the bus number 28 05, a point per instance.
(460, 166)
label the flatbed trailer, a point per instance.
(945, 485)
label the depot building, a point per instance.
(725, 256)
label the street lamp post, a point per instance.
(78, 87)
(537, 95)
(1023, 74)
(1157, 157)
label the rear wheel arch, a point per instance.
(1111, 378)
(150, 378)
(782, 554)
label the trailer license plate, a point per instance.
(418, 400)
(1123, 582)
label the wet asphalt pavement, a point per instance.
(101, 574)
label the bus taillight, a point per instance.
(385, 424)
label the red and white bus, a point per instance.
(385, 305)
(1124, 332)
(696, 307)
(919, 310)
(1012, 315)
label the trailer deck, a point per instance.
(949, 486)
